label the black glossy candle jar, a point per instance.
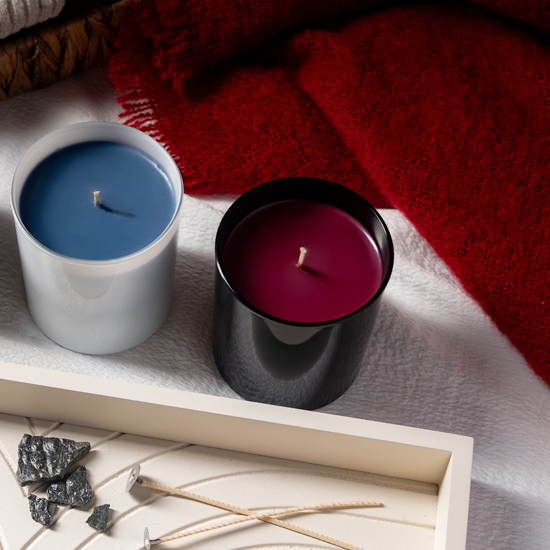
(304, 347)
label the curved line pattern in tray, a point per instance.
(246, 480)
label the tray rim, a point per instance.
(233, 424)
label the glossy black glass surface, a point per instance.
(298, 365)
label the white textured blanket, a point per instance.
(435, 360)
(21, 14)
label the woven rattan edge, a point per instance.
(52, 52)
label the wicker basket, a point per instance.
(51, 52)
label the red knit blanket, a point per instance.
(441, 111)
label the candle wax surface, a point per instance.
(57, 200)
(341, 273)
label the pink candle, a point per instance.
(341, 270)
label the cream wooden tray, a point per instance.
(249, 454)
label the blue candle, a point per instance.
(134, 205)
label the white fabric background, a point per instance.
(435, 360)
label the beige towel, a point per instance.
(20, 14)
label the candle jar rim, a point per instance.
(98, 131)
(304, 188)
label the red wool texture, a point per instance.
(440, 111)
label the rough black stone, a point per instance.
(42, 510)
(100, 517)
(73, 490)
(47, 458)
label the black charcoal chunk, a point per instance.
(73, 490)
(42, 510)
(47, 458)
(99, 518)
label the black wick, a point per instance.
(99, 204)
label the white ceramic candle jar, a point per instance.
(97, 207)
